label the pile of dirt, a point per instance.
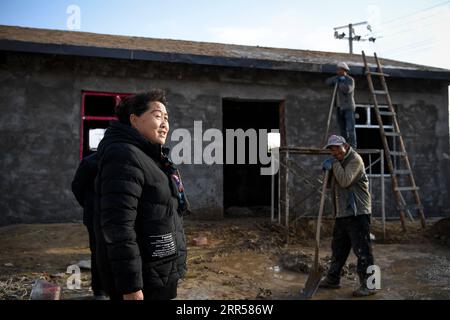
(394, 231)
(299, 261)
(440, 231)
(227, 236)
(246, 212)
(260, 235)
(256, 234)
(296, 261)
(348, 270)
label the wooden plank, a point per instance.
(381, 74)
(402, 172)
(409, 188)
(387, 113)
(397, 153)
(393, 134)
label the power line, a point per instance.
(412, 21)
(415, 50)
(421, 18)
(409, 46)
(403, 31)
(416, 12)
(351, 34)
(418, 46)
(373, 36)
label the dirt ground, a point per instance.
(245, 258)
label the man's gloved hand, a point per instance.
(341, 78)
(328, 164)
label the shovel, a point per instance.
(315, 275)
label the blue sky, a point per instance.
(414, 31)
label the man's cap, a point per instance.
(335, 140)
(343, 65)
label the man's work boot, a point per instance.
(328, 284)
(363, 291)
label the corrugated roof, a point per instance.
(139, 48)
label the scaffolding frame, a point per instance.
(283, 218)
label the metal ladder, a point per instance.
(396, 158)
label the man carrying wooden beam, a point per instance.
(345, 102)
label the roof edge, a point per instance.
(144, 55)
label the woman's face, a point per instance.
(152, 124)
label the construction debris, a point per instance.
(440, 232)
(14, 288)
(44, 290)
(200, 241)
(299, 261)
(248, 259)
(84, 264)
(264, 293)
(59, 275)
(296, 261)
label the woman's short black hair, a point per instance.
(138, 104)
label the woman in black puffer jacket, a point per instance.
(140, 204)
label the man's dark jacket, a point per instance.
(83, 187)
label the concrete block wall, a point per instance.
(40, 99)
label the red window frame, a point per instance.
(84, 117)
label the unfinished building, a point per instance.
(57, 87)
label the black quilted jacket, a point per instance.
(142, 243)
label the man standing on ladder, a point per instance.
(345, 102)
(352, 210)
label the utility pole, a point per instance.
(350, 38)
(351, 34)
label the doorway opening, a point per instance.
(246, 191)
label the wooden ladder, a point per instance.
(394, 158)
